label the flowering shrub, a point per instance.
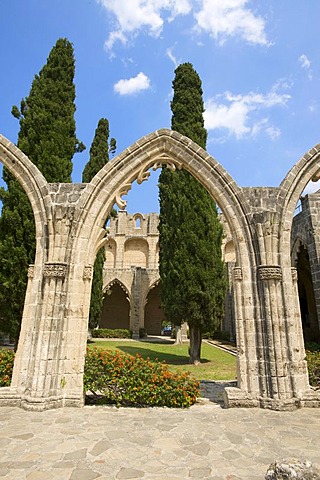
(126, 380)
(6, 367)
(313, 359)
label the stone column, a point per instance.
(246, 395)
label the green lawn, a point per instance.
(215, 363)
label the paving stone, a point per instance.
(200, 439)
(100, 447)
(39, 475)
(199, 472)
(84, 474)
(76, 455)
(200, 449)
(25, 436)
(127, 473)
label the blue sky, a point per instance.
(259, 63)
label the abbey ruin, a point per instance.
(131, 275)
(268, 253)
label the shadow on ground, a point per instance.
(169, 358)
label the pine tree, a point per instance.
(99, 156)
(47, 137)
(192, 273)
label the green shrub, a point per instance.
(313, 359)
(111, 333)
(6, 366)
(132, 381)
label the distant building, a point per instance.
(131, 273)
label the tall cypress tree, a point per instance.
(99, 156)
(191, 270)
(47, 136)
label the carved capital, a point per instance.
(270, 272)
(237, 274)
(56, 269)
(88, 272)
(30, 273)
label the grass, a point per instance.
(215, 363)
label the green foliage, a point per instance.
(193, 277)
(313, 347)
(187, 105)
(47, 124)
(99, 151)
(111, 333)
(47, 137)
(132, 381)
(96, 300)
(17, 248)
(99, 156)
(313, 360)
(6, 367)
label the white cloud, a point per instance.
(226, 18)
(237, 113)
(219, 18)
(114, 37)
(172, 57)
(133, 15)
(132, 85)
(306, 64)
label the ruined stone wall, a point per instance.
(305, 237)
(133, 241)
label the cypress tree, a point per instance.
(99, 156)
(192, 273)
(47, 136)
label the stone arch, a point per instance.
(290, 190)
(308, 309)
(136, 252)
(166, 147)
(271, 367)
(138, 218)
(292, 186)
(116, 306)
(30, 179)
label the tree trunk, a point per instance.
(195, 345)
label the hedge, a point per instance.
(111, 333)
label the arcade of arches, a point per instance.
(70, 218)
(139, 242)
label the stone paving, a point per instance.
(203, 442)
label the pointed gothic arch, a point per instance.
(271, 367)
